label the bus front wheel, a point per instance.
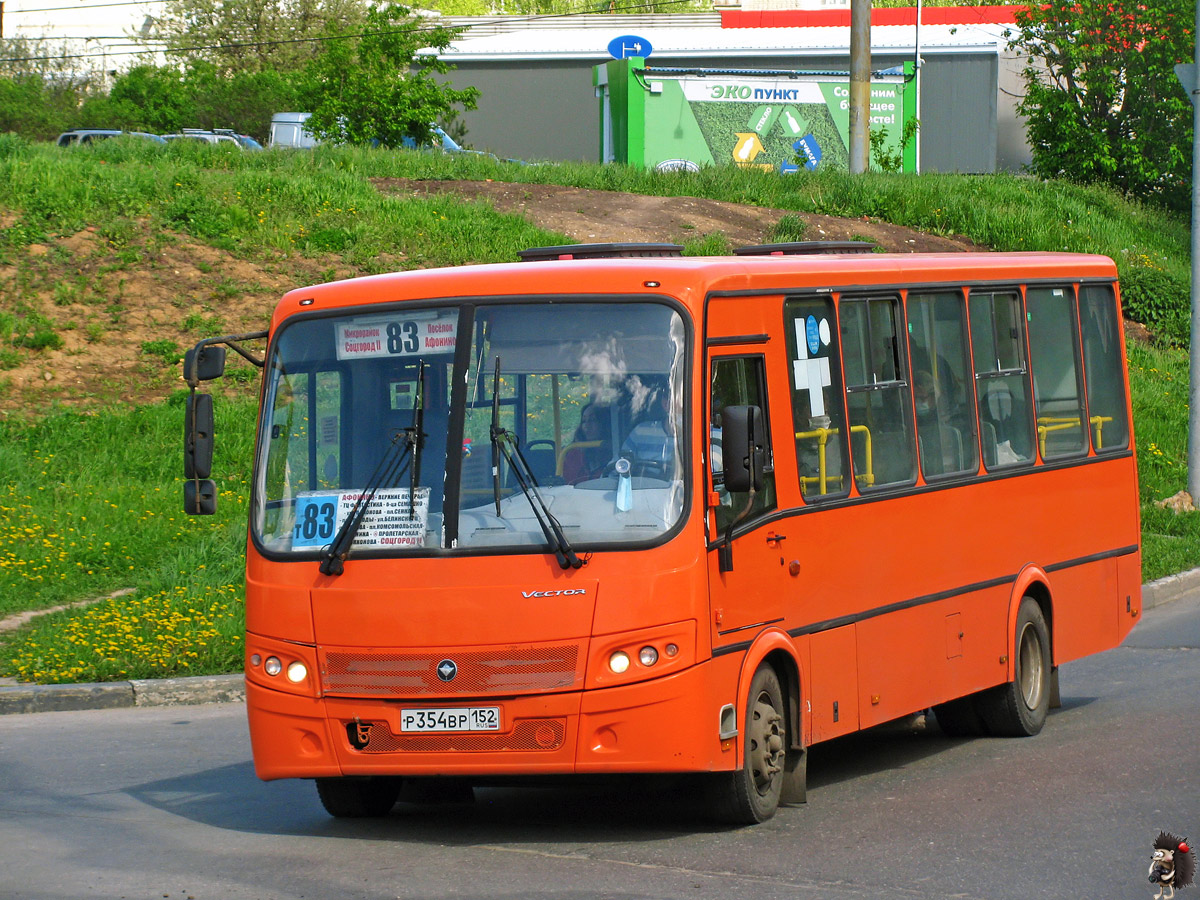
(751, 794)
(358, 798)
(1019, 708)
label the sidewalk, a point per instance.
(28, 698)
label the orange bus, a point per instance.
(609, 509)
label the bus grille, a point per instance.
(527, 734)
(511, 670)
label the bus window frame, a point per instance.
(759, 361)
(1072, 287)
(970, 400)
(1126, 392)
(1017, 290)
(837, 389)
(904, 384)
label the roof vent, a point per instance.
(599, 251)
(806, 248)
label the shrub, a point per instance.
(1159, 300)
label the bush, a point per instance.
(1159, 300)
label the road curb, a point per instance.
(1185, 585)
(30, 698)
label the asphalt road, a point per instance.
(162, 803)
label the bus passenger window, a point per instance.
(810, 328)
(937, 328)
(1057, 393)
(737, 382)
(1001, 379)
(877, 395)
(1105, 377)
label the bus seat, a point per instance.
(542, 459)
(989, 443)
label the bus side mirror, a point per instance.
(198, 436)
(203, 363)
(743, 448)
(200, 497)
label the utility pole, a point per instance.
(860, 85)
(1187, 77)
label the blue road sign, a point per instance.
(629, 45)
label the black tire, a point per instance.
(358, 798)
(959, 718)
(750, 795)
(1018, 709)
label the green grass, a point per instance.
(90, 502)
(1159, 383)
(273, 203)
(91, 505)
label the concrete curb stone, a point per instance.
(1184, 585)
(28, 698)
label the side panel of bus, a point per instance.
(905, 597)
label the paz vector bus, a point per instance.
(613, 510)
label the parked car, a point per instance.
(91, 135)
(200, 135)
(247, 142)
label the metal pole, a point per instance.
(1194, 378)
(917, 90)
(860, 85)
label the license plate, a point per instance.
(468, 718)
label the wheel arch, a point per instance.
(775, 648)
(1032, 582)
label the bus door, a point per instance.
(747, 580)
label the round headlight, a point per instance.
(619, 662)
(297, 672)
(273, 666)
(647, 656)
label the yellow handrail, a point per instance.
(822, 478)
(1047, 424)
(574, 445)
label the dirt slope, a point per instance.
(118, 310)
(591, 216)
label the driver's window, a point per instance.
(737, 381)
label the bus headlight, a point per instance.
(297, 672)
(619, 662)
(272, 666)
(647, 656)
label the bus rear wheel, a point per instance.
(1019, 708)
(358, 798)
(751, 794)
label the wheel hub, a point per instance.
(766, 750)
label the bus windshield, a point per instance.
(562, 427)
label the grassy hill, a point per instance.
(114, 258)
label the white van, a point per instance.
(287, 130)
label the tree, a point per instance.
(1102, 101)
(378, 86)
(251, 35)
(41, 87)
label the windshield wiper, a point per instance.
(505, 442)
(405, 449)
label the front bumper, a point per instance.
(667, 724)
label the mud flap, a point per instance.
(795, 778)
